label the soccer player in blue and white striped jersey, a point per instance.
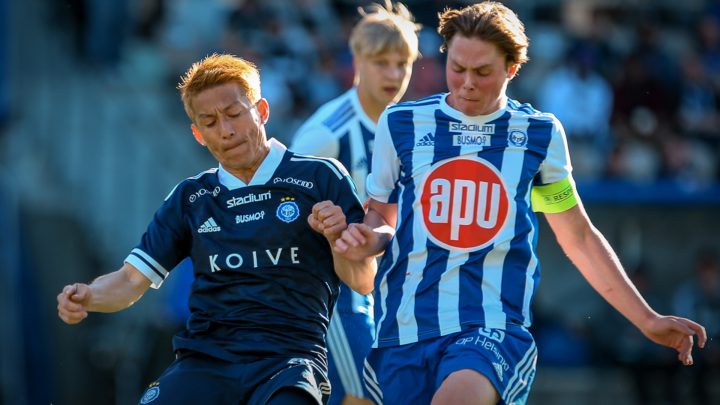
(384, 45)
(258, 230)
(455, 183)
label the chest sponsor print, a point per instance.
(464, 203)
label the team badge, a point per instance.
(288, 210)
(151, 394)
(464, 203)
(517, 138)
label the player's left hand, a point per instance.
(677, 333)
(327, 219)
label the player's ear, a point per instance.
(512, 71)
(198, 136)
(264, 109)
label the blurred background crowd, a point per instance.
(93, 136)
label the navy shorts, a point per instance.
(412, 373)
(195, 378)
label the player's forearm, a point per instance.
(359, 275)
(117, 290)
(600, 266)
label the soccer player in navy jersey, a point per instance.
(258, 229)
(455, 183)
(384, 45)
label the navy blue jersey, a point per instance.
(264, 280)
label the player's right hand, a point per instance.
(356, 242)
(72, 303)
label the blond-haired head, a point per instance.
(215, 70)
(385, 27)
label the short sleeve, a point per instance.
(165, 243)
(385, 171)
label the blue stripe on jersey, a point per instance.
(437, 257)
(340, 116)
(344, 155)
(368, 137)
(539, 134)
(400, 123)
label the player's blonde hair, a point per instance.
(385, 27)
(490, 21)
(215, 70)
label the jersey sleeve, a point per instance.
(342, 192)
(385, 171)
(315, 140)
(165, 243)
(554, 188)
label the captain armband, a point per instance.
(555, 197)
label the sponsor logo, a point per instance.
(487, 344)
(427, 140)
(464, 203)
(288, 210)
(517, 138)
(209, 226)
(494, 334)
(254, 259)
(203, 191)
(471, 140)
(487, 129)
(151, 394)
(291, 180)
(241, 219)
(236, 201)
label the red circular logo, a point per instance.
(464, 203)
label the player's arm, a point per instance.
(108, 293)
(370, 238)
(316, 140)
(357, 272)
(597, 262)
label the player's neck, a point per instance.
(370, 106)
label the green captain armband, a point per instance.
(553, 198)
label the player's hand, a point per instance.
(72, 303)
(677, 333)
(356, 241)
(327, 219)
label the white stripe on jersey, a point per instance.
(333, 165)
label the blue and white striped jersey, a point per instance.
(264, 282)
(340, 129)
(464, 251)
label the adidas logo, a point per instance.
(209, 226)
(427, 140)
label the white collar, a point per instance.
(264, 172)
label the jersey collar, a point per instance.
(264, 173)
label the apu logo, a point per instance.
(464, 203)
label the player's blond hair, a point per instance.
(215, 70)
(385, 27)
(490, 21)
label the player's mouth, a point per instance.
(390, 90)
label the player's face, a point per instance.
(231, 127)
(477, 75)
(383, 78)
